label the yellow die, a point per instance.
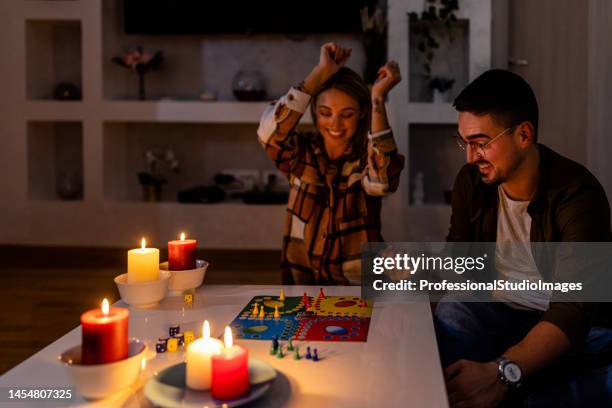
(189, 337)
(188, 298)
(172, 345)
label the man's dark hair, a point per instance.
(504, 95)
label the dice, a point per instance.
(188, 337)
(161, 345)
(174, 330)
(188, 298)
(172, 345)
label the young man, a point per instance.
(514, 190)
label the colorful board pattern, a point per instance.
(329, 318)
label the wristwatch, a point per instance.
(509, 372)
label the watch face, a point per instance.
(512, 372)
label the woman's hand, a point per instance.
(332, 58)
(388, 76)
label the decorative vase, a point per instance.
(248, 85)
(441, 97)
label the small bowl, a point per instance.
(95, 381)
(143, 294)
(186, 279)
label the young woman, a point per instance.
(338, 174)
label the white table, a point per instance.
(398, 366)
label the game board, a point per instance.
(330, 318)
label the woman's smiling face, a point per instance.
(337, 116)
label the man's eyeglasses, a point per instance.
(476, 146)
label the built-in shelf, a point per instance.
(53, 56)
(55, 160)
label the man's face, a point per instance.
(498, 160)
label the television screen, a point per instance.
(243, 16)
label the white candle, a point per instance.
(199, 355)
(143, 264)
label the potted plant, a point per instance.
(140, 62)
(374, 40)
(436, 13)
(440, 87)
(152, 180)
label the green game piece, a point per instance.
(290, 345)
(296, 354)
(280, 353)
(272, 350)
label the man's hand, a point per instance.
(472, 384)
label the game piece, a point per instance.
(172, 345)
(281, 297)
(290, 345)
(188, 298)
(280, 354)
(181, 339)
(262, 315)
(315, 355)
(275, 343)
(321, 294)
(255, 310)
(189, 337)
(305, 299)
(276, 313)
(272, 350)
(308, 355)
(296, 353)
(174, 330)
(160, 347)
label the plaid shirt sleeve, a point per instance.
(279, 142)
(384, 164)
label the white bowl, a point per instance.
(143, 294)
(186, 279)
(95, 381)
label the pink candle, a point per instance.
(182, 254)
(105, 335)
(230, 371)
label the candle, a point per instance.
(230, 370)
(143, 264)
(199, 354)
(182, 254)
(105, 335)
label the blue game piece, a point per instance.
(174, 330)
(275, 343)
(315, 356)
(308, 356)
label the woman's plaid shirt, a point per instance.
(333, 207)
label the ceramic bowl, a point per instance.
(186, 279)
(95, 381)
(143, 294)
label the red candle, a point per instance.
(105, 335)
(182, 254)
(230, 371)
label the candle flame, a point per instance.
(182, 236)
(228, 337)
(143, 364)
(206, 330)
(105, 307)
(143, 243)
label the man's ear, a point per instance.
(526, 132)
